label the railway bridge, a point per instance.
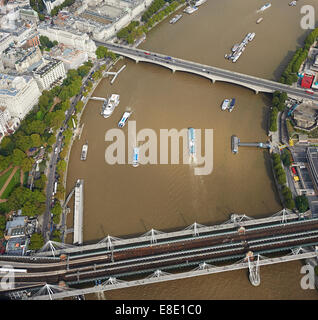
(241, 242)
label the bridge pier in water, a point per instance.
(253, 267)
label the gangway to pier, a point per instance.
(98, 98)
(236, 142)
(68, 198)
(114, 73)
(254, 144)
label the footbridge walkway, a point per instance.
(241, 239)
(160, 276)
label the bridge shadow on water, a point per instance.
(266, 102)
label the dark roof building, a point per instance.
(312, 157)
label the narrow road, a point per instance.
(53, 161)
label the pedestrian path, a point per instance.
(8, 180)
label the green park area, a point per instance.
(4, 177)
(14, 182)
(38, 129)
(158, 11)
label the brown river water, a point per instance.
(121, 200)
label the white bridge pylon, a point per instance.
(157, 274)
(109, 240)
(195, 227)
(49, 289)
(152, 234)
(54, 246)
(237, 218)
(283, 213)
(298, 250)
(112, 281)
(204, 266)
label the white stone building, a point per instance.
(119, 12)
(18, 94)
(20, 59)
(69, 36)
(5, 40)
(20, 33)
(7, 124)
(71, 57)
(50, 73)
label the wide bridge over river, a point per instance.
(210, 72)
(207, 249)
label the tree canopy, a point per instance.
(36, 241)
(302, 203)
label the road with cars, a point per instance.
(263, 85)
(51, 176)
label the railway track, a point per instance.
(179, 254)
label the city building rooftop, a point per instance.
(11, 85)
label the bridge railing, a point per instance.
(160, 276)
(249, 79)
(168, 236)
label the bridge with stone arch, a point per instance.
(213, 73)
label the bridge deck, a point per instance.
(215, 74)
(168, 237)
(114, 284)
(216, 247)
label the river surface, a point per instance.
(122, 200)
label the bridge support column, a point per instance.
(256, 91)
(173, 70)
(137, 61)
(213, 81)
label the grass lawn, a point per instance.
(15, 181)
(4, 177)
